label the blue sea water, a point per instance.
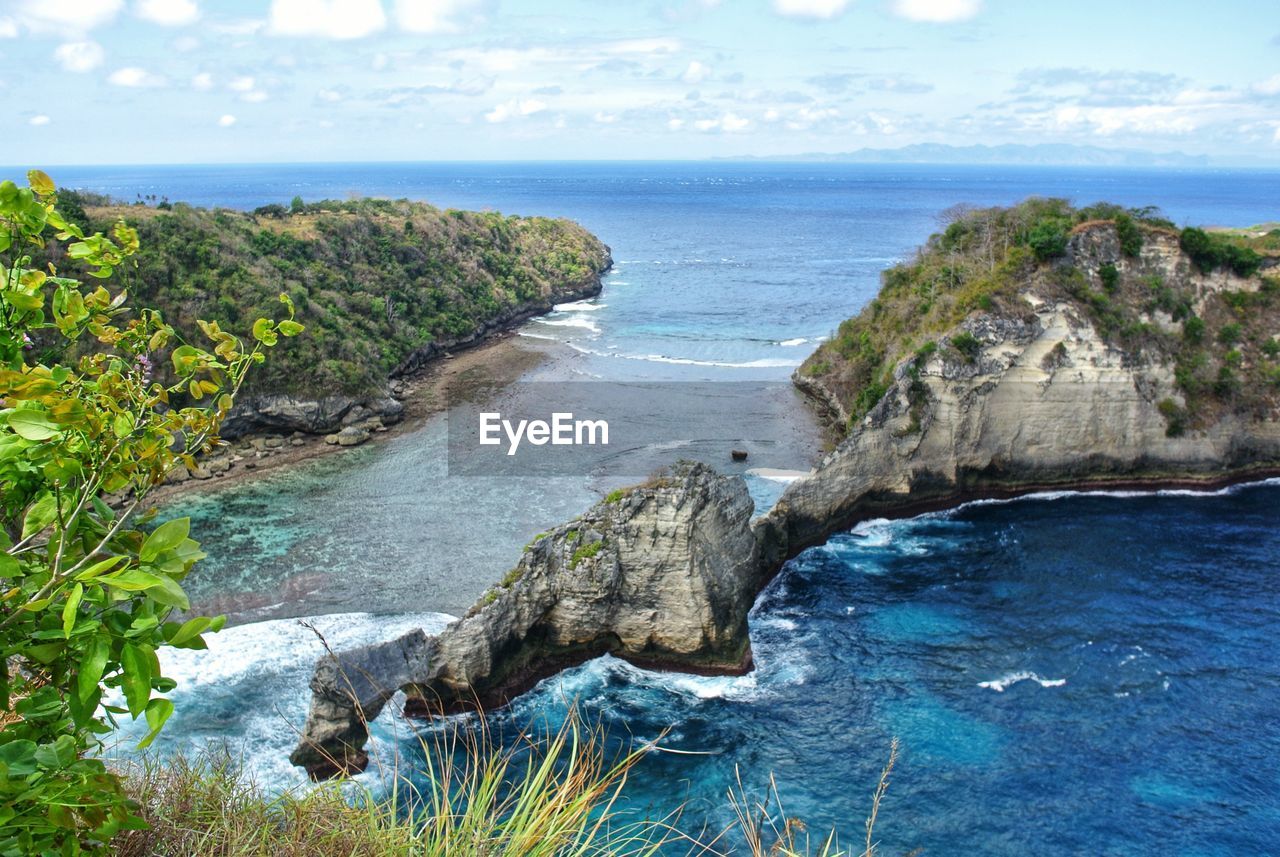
(1068, 674)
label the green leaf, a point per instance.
(122, 425)
(59, 754)
(184, 359)
(71, 608)
(191, 628)
(9, 566)
(31, 424)
(19, 756)
(99, 568)
(24, 301)
(158, 711)
(42, 513)
(40, 182)
(137, 677)
(92, 666)
(132, 580)
(290, 328)
(167, 536)
(169, 593)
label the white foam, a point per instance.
(1000, 684)
(579, 306)
(786, 477)
(276, 657)
(572, 321)
(791, 343)
(1103, 492)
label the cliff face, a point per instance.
(1120, 357)
(1042, 398)
(663, 574)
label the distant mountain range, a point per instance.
(1043, 154)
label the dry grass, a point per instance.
(550, 795)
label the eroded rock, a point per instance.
(663, 576)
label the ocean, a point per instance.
(1067, 673)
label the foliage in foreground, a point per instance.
(372, 279)
(85, 595)
(558, 794)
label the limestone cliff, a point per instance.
(1024, 348)
(662, 575)
(1091, 371)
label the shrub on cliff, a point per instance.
(373, 280)
(983, 259)
(87, 594)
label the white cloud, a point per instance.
(605, 118)
(822, 9)
(675, 124)
(134, 77)
(642, 46)
(729, 122)
(38, 120)
(937, 11)
(167, 13)
(329, 95)
(431, 16)
(8, 28)
(202, 81)
(257, 96)
(66, 16)
(226, 120)
(696, 73)
(241, 84)
(1270, 86)
(79, 56)
(515, 107)
(333, 19)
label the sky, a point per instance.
(226, 81)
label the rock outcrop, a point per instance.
(1027, 394)
(1045, 401)
(662, 575)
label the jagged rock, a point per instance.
(663, 576)
(284, 414)
(331, 439)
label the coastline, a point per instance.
(497, 361)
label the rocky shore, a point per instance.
(1029, 394)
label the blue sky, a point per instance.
(188, 81)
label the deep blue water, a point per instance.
(1082, 674)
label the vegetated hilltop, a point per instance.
(1206, 304)
(381, 285)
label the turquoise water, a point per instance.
(1078, 674)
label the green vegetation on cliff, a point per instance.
(373, 280)
(986, 260)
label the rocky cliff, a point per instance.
(662, 575)
(1103, 365)
(1025, 348)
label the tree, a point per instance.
(91, 422)
(297, 205)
